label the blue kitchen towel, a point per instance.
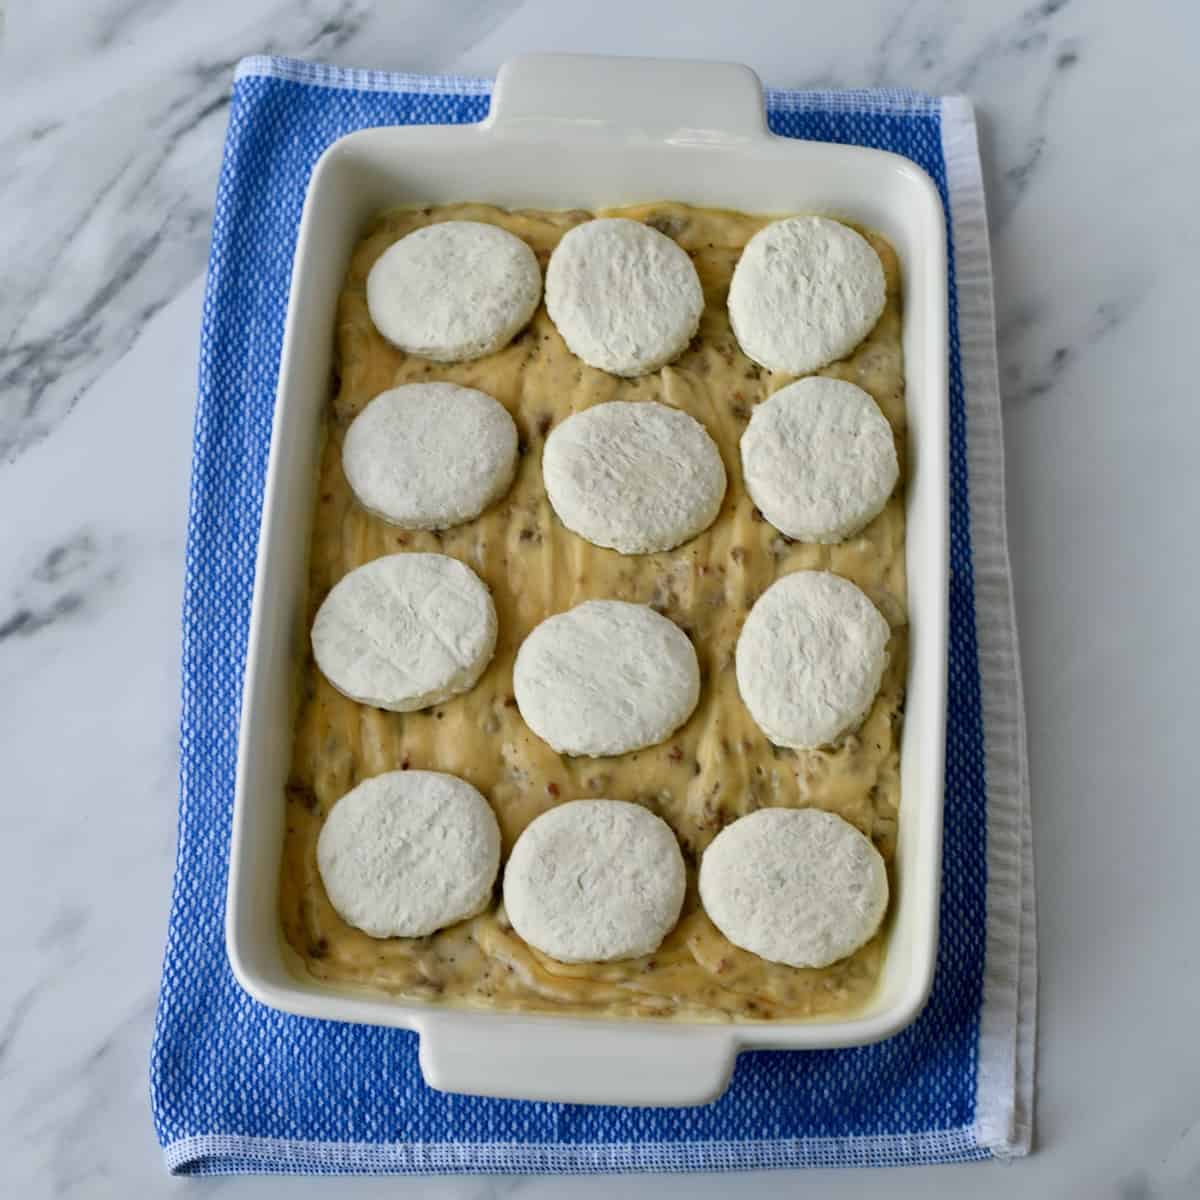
(238, 1087)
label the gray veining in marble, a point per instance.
(112, 115)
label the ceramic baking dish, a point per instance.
(566, 132)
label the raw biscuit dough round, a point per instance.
(454, 291)
(819, 459)
(409, 852)
(430, 455)
(625, 297)
(405, 631)
(595, 880)
(795, 886)
(635, 477)
(804, 293)
(810, 658)
(606, 677)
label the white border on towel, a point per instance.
(1004, 1082)
(872, 101)
(323, 75)
(875, 100)
(216, 1154)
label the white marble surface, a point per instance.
(112, 114)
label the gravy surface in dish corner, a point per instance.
(718, 767)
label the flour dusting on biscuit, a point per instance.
(454, 291)
(594, 881)
(634, 477)
(409, 852)
(810, 658)
(794, 886)
(405, 631)
(805, 292)
(819, 459)
(606, 677)
(430, 455)
(625, 297)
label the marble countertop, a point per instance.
(112, 115)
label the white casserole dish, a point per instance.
(567, 132)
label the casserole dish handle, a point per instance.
(568, 96)
(579, 1062)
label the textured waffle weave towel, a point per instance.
(239, 1087)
